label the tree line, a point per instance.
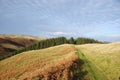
(53, 42)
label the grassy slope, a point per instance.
(92, 72)
(101, 61)
(29, 63)
(104, 57)
(10, 43)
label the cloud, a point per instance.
(59, 33)
(109, 38)
(114, 38)
(87, 18)
(116, 35)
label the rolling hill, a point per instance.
(10, 43)
(58, 60)
(54, 63)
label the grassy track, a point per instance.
(93, 72)
(105, 57)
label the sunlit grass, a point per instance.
(30, 61)
(106, 57)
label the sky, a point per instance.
(98, 19)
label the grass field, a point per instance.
(105, 57)
(64, 62)
(92, 71)
(39, 64)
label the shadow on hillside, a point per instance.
(79, 72)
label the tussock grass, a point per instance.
(106, 57)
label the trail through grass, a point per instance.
(105, 57)
(93, 72)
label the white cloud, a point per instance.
(109, 38)
(60, 33)
(116, 35)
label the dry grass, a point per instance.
(56, 70)
(106, 57)
(37, 62)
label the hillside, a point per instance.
(10, 43)
(59, 58)
(59, 62)
(49, 43)
(104, 57)
(84, 62)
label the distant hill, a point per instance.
(10, 43)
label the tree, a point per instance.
(53, 42)
(71, 41)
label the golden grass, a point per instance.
(19, 66)
(55, 70)
(106, 57)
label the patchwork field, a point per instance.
(105, 57)
(52, 63)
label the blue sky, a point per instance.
(98, 19)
